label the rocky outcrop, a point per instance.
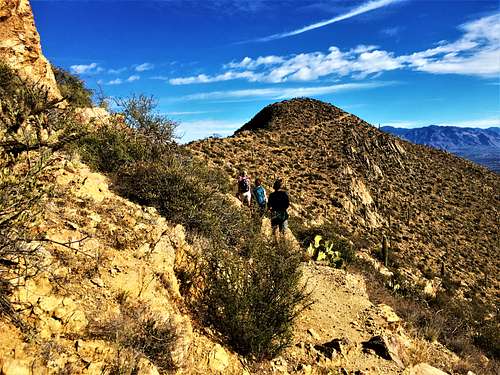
(20, 44)
(104, 282)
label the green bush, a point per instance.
(135, 134)
(72, 88)
(254, 301)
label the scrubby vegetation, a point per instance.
(325, 242)
(137, 332)
(32, 126)
(253, 300)
(72, 88)
(248, 288)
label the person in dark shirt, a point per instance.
(278, 204)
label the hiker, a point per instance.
(278, 203)
(260, 196)
(244, 194)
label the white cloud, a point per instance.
(92, 68)
(476, 53)
(202, 78)
(116, 81)
(474, 123)
(360, 62)
(117, 71)
(363, 8)
(133, 78)
(283, 92)
(119, 81)
(251, 64)
(143, 67)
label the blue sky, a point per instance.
(214, 64)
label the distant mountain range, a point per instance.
(482, 146)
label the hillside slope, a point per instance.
(104, 297)
(439, 211)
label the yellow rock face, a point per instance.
(20, 44)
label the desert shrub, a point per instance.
(32, 126)
(140, 331)
(186, 192)
(135, 134)
(72, 88)
(253, 301)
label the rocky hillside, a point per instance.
(439, 211)
(479, 145)
(20, 44)
(105, 297)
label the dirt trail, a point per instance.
(341, 310)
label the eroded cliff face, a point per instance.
(20, 44)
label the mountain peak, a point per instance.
(292, 113)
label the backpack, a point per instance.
(244, 185)
(260, 195)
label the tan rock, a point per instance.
(20, 44)
(425, 369)
(76, 322)
(15, 367)
(388, 313)
(95, 368)
(144, 367)
(218, 359)
(315, 335)
(49, 303)
(184, 334)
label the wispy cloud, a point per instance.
(143, 67)
(278, 93)
(391, 31)
(475, 53)
(92, 68)
(117, 71)
(119, 81)
(363, 8)
(133, 78)
(202, 78)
